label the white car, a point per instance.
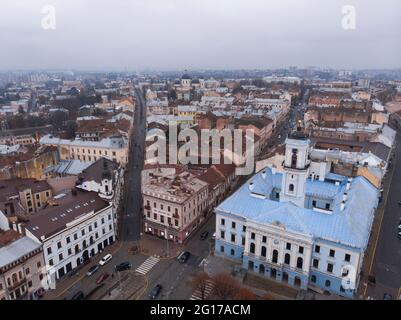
(105, 259)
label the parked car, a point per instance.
(399, 235)
(92, 270)
(105, 259)
(102, 277)
(204, 235)
(78, 296)
(183, 256)
(123, 266)
(155, 291)
(214, 236)
(387, 296)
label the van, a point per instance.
(105, 259)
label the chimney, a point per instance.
(251, 186)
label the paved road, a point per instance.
(387, 260)
(175, 277)
(132, 215)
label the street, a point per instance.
(387, 259)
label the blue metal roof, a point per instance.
(350, 226)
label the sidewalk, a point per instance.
(160, 248)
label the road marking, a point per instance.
(197, 294)
(147, 265)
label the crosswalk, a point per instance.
(197, 294)
(148, 264)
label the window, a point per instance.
(95, 224)
(314, 203)
(275, 256)
(315, 263)
(155, 216)
(59, 245)
(161, 207)
(317, 249)
(243, 241)
(327, 206)
(38, 264)
(75, 236)
(300, 262)
(232, 252)
(222, 234)
(49, 250)
(102, 220)
(264, 239)
(243, 228)
(291, 187)
(327, 283)
(176, 222)
(263, 251)
(221, 249)
(90, 228)
(83, 232)
(329, 267)
(232, 237)
(253, 236)
(301, 249)
(68, 239)
(29, 283)
(288, 246)
(252, 248)
(60, 256)
(109, 217)
(51, 262)
(223, 222)
(332, 253)
(233, 225)
(27, 271)
(161, 218)
(347, 257)
(313, 279)
(69, 251)
(287, 258)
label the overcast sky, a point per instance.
(192, 34)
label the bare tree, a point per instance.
(200, 282)
(225, 286)
(244, 294)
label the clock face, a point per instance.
(276, 242)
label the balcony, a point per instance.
(16, 284)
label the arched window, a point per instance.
(263, 251)
(252, 248)
(261, 269)
(275, 256)
(294, 158)
(291, 187)
(287, 258)
(300, 262)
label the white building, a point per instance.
(73, 228)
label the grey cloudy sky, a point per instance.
(179, 34)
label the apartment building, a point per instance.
(77, 226)
(174, 201)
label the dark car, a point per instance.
(183, 257)
(387, 296)
(92, 270)
(123, 266)
(204, 235)
(155, 291)
(78, 296)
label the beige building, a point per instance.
(113, 148)
(175, 202)
(21, 266)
